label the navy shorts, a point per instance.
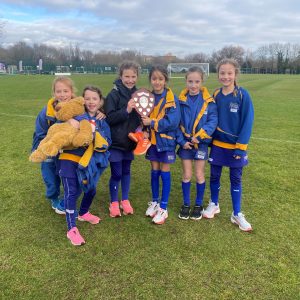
(167, 157)
(119, 155)
(194, 154)
(224, 157)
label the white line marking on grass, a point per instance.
(274, 140)
(13, 115)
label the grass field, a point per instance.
(128, 257)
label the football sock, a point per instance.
(116, 173)
(200, 193)
(235, 175)
(125, 179)
(186, 189)
(155, 174)
(125, 184)
(166, 188)
(113, 189)
(236, 196)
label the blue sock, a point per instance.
(200, 193)
(113, 189)
(236, 196)
(155, 174)
(186, 190)
(214, 192)
(125, 179)
(166, 188)
(125, 184)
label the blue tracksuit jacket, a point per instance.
(44, 120)
(165, 121)
(235, 120)
(199, 123)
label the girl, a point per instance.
(63, 89)
(230, 140)
(163, 121)
(70, 159)
(198, 122)
(122, 119)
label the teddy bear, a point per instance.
(64, 135)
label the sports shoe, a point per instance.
(60, 208)
(126, 207)
(241, 222)
(152, 209)
(75, 237)
(54, 202)
(160, 216)
(142, 146)
(197, 212)
(184, 213)
(136, 136)
(88, 217)
(211, 210)
(114, 209)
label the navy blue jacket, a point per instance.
(121, 123)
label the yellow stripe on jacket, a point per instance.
(70, 156)
(207, 98)
(159, 112)
(230, 146)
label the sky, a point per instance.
(152, 27)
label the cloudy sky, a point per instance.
(154, 27)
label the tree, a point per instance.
(197, 58)
(21, 51)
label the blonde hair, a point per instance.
(67, 81)
(230, 61)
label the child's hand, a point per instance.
(188, 146)
(130, 106)
(237, 153)
(74, 123)
(146, 120)
(236, 156)
(100, 115)
(146, 135)
(194, 140)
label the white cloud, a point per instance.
(152, 26)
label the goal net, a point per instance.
(178, 70)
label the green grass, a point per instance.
(129, 258)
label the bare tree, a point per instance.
(197, 58)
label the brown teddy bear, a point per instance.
(64, 135)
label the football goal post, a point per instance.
(178, 70)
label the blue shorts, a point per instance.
(194, 154)
(167, 157)
(224, 157)
(119, 155)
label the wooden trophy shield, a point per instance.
(143, 101)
